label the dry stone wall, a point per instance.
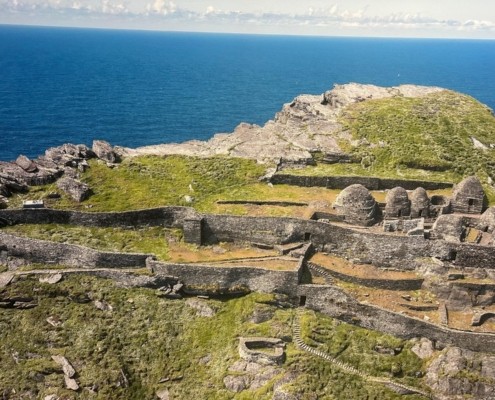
(211, 279)
(335, 303)
(341, 182)
(47, 252)
(165, 216)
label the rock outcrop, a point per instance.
(75, 189)
(104, 151)
(306, 125)
(458, 373)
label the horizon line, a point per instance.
(131, 29)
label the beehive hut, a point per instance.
(420, 203)
(487, 221)
(356, 206)
(397, 203)
(468, 197)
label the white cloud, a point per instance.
(333, 16)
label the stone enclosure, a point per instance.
(398, 234)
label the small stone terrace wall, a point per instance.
(341, 182)
(164, 216)
(47, 252)
(211, 279)
(335, 303)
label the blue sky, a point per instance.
(395, 18)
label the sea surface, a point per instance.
(136, 88)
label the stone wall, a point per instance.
(363, 245)
(388, 284)
(213, 279)
(341, 182)
(51, 253)
(164, 216)
(475, 255)
(335, 303)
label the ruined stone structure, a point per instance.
(397, 204)
(487, 221)
(420, 203)
(358, 207)
(468, 197)
(445, 242)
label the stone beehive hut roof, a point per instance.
(355, 196)
(397, 203)
(419, 198)
(471, 186)
(468, 196)
(357, 205)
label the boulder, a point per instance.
(104, 151)
(77, 190)
(26, 164)
(51, 278)
(68, 369)
(71, 383)
(163, 394)
(424, 348)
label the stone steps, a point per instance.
(404, 389)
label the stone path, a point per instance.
(320, 270)
(398, 387)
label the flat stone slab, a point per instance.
(51, 279)
(5, 279)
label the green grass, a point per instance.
(142, 240)
(429, 133)
(151, 181)
(149, 338)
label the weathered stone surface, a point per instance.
(54, 321)
(68, 369)
(77, 190)
(469, 197)
(397, 203)
(236, 383)
(357, 206)
(262, 350)
(5, 279)
(51, 279)
(283, 140)
(104, 151)
(424, 348)
(3, 202)
(456, 373)
(26, 164)
(103, 305)
(71, 383)
(201, 306)
(163, 394)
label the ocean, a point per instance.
(136, 88)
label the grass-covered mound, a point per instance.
(424, 138)
(147, 339)
(433, 133)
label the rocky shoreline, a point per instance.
(307, 125)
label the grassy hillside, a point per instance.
(417, 138)
(432, 133)
(148, 339)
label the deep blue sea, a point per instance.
(136, 88)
